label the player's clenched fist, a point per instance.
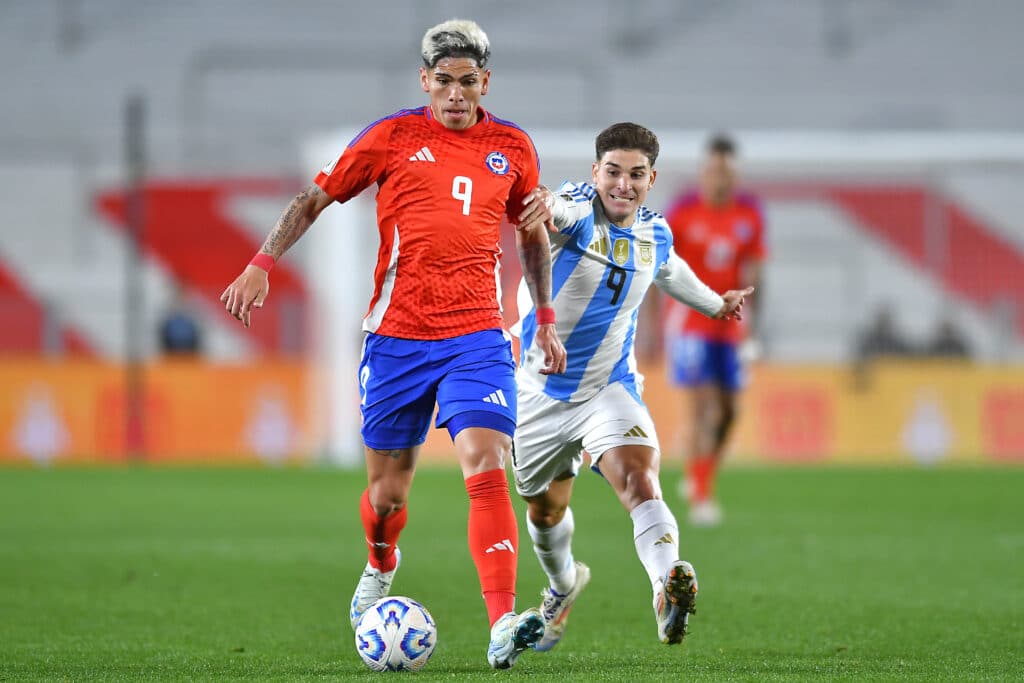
(248, 291)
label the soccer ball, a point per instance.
(396, 634)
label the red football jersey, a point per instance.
(716, 242)
(442, 194)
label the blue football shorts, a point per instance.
(695, 361)
(471, 379)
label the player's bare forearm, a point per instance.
(295, 221)
(535, 257)
(249, 290)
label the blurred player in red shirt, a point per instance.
(720, 233)
(446, 174)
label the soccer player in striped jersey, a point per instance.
(446, 174)
(607, 252)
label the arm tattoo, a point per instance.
(293, 223)
(535, 255)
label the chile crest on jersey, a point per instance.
(498, 163)
(743, 230)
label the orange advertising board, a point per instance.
(891, 412)
(75, 411)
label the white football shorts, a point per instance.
(551, 435)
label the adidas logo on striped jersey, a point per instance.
(600, 246)
(496, 397)
(636, 431)
(422, 155)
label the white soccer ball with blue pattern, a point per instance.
(396, 634)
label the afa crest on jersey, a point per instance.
(645, 250)
(498, 163)
(620, 251)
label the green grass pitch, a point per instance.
(200, 574)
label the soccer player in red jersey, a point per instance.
(446, 174)
(720, 233)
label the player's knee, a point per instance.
(707, 428)
(388, 496)
(710, 416)
(707, 410)
(547, 515)
(641, 485)
(484, 456)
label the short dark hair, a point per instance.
(722, 143)
(627, 136)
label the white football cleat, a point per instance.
(705, 513)
(511, 635)
(555, 608)
(373, 585)
(674, 600)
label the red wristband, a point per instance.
(264, 261)
(546, 316)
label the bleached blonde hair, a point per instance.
(455, 38)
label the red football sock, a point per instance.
(498, 603)
(381, 533)
(493, 540)
(702, 476)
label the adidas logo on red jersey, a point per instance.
(422, 155)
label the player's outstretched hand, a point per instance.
(732, 309)
(554, 353)
(248, 291)
(537, 210)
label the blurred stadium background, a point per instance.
(148, 147)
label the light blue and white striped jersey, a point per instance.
(600, 273)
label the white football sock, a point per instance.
(656, 536)
(553, 547)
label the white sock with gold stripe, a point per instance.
(553, 547)
(656, 536)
